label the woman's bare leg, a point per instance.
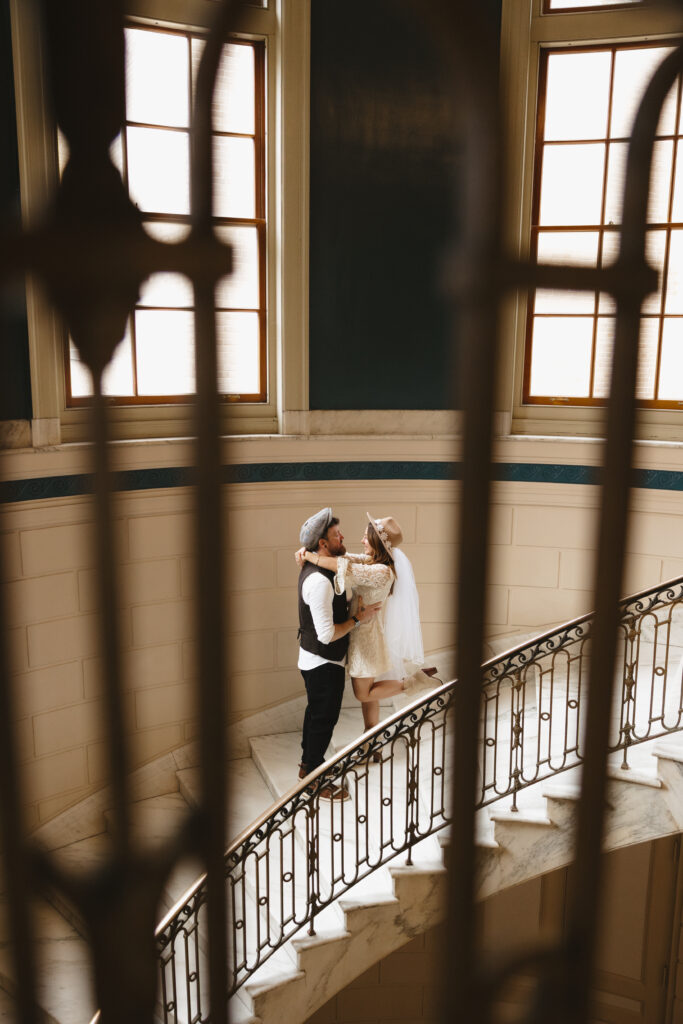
(361, 687)
(369, 706)
(370, 713)
(385, 688)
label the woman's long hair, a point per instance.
(379, 552)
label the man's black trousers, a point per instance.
(325, 689)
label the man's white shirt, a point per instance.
(317, 592)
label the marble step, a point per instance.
(374, 918)
(378, 776)
(641, 806)
(669, 758)
(373, 930)
(241, 1011)
(275, 777)
(248, 794)
(277, 758)
(152, 822)
(65, 991)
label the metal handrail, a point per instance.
(304, 852)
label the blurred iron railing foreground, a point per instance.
(305, 852)
(91, 255)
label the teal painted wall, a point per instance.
(384, 164)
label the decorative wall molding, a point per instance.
(76, 484)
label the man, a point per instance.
(324, 627)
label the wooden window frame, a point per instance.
(258, 222)
(601, 229)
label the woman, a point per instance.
(389, 646)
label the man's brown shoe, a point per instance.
(303, 770)
(332, 792)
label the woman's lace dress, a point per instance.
(368, 654)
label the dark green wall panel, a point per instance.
(384, 167)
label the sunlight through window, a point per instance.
(155, 361)
(587, 104)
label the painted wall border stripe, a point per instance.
(68, 486)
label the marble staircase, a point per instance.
(379, 913)
(399, 901)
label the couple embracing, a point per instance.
(375, 633)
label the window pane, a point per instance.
(81, 378)
(561, 356)
(610, 251)
(604, 344)
(674, 277)
(580, 165)
(159, 170)
(633, 69)
(233, 179)
(655, 243)
(157, 87)
(117, 379)
(233, 107)
(616, 176)
(164, 342)
(166, 230)
(573, 247)
(238, 353)
(577, 97)
(241, 289)
(647, 357)
(562, 5)
(173, 290)
(166, 289)
(671, 368)
(660, 182)
(677, 206)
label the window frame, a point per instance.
(526, 30)
(537, 229)
(259, 222)
(285, 28)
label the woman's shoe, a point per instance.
(420, 683)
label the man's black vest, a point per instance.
(336, 651)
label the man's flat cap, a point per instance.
(314, 528)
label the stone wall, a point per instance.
(541, 565)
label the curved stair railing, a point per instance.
(305, 851)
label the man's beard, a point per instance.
(333, 551)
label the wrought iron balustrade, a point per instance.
(305, 851)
